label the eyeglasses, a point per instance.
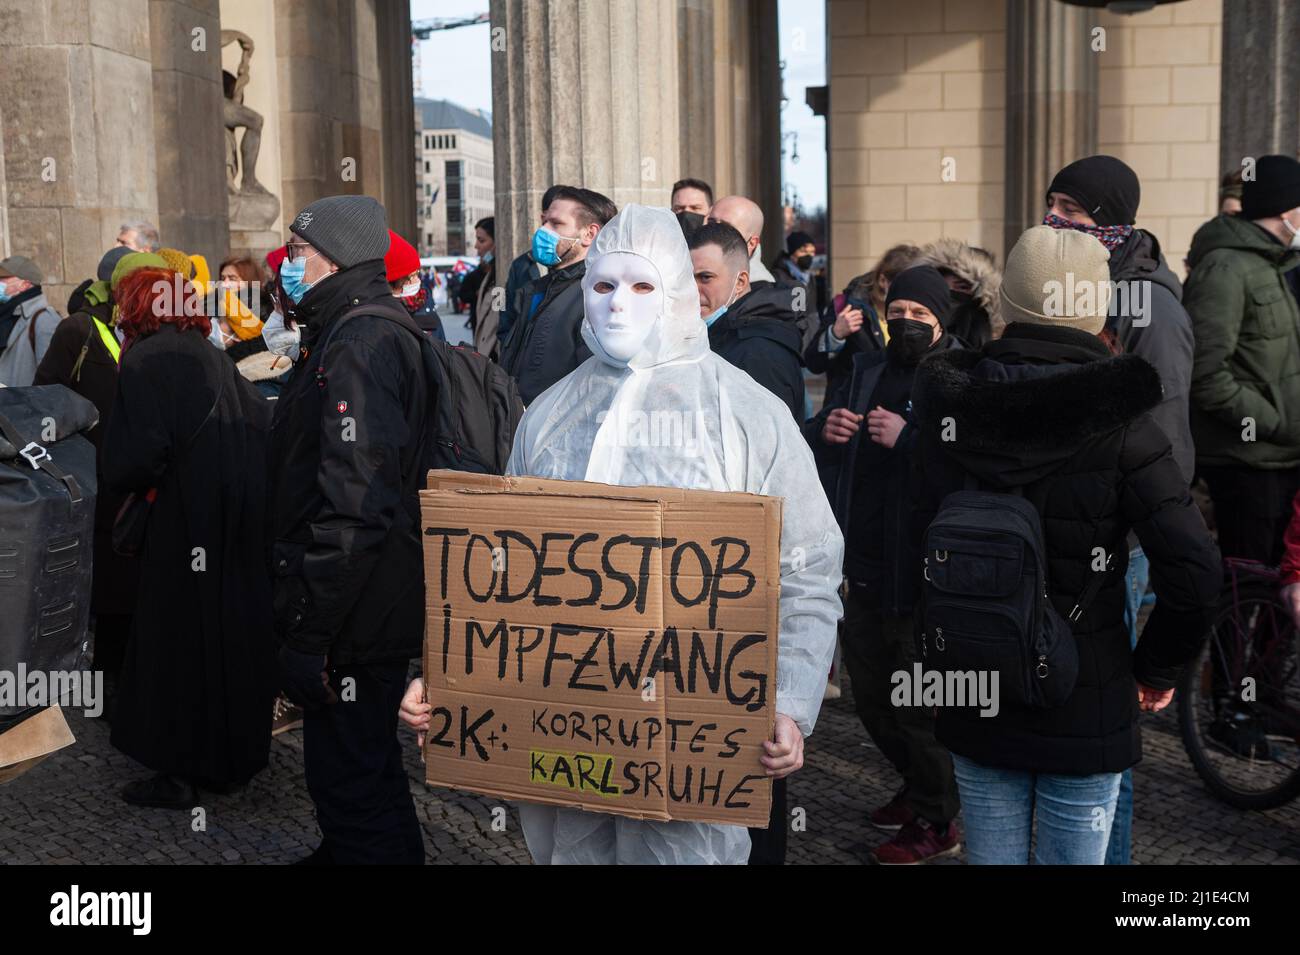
(294, 250)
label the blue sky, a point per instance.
(457, 66)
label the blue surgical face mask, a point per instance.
(717, 313)
(291, 273)
(546, 244)
(4, 294)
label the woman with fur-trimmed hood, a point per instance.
(1047, 412)
(974, 278)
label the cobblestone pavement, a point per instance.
(67, 809)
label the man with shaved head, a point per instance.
(745, 217)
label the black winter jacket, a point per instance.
(837, 466)
(1147, 317)
(347, 454)
(545, 343)
(759, 336)
(1050, 411)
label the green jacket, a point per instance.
(1245, 397)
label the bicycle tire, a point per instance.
(1188, 691)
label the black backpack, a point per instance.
(476, 404)
(47, 517)
(984, 602)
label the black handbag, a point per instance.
(131, 524)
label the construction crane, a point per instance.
(423, 29)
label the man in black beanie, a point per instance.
(1099, 195)
(793, 267)
(347, 462)
(1246, 375)
(865, 471)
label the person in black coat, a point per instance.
(544, 343)
(348, 459)
(793, 267)
(753, 328)
(1049, 412)
(195, 692)
(1099, 195)
(866, 474)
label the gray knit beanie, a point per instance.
(347, 229)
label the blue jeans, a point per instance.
(1120, 849)
(999, 807)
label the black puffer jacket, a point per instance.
(1050, 411)
(347, 449)
(759, 336)
(545, 341)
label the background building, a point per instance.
(949, 117)
(453, 175)
(945, 117)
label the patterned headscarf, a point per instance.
(1111, 236)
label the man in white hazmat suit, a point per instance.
(651, 361)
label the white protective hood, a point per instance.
(677, 415)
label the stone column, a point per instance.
(76, 82)
(744, 100)
(1259, 99)
(762, 127)
(393, 26)
(189, 137)
(331, 104)
(695, 80)
(1051, 103)
(4, 194)
(584, 92)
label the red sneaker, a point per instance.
(892, 816)
(918, 842)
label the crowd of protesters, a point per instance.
(278, 436)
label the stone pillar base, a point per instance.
(253, 243)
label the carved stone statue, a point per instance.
(238, 116)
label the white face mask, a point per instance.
(281, 340)
(1295, 232)
(622, 317)
(410, 290)
(218, 337)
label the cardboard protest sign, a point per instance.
(36, 737)
(602, 647)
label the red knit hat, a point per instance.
(275, 257)
(402, 259)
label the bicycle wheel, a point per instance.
(1239, 701)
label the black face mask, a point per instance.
(689, 221)
(909, 340)
(803, 262)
